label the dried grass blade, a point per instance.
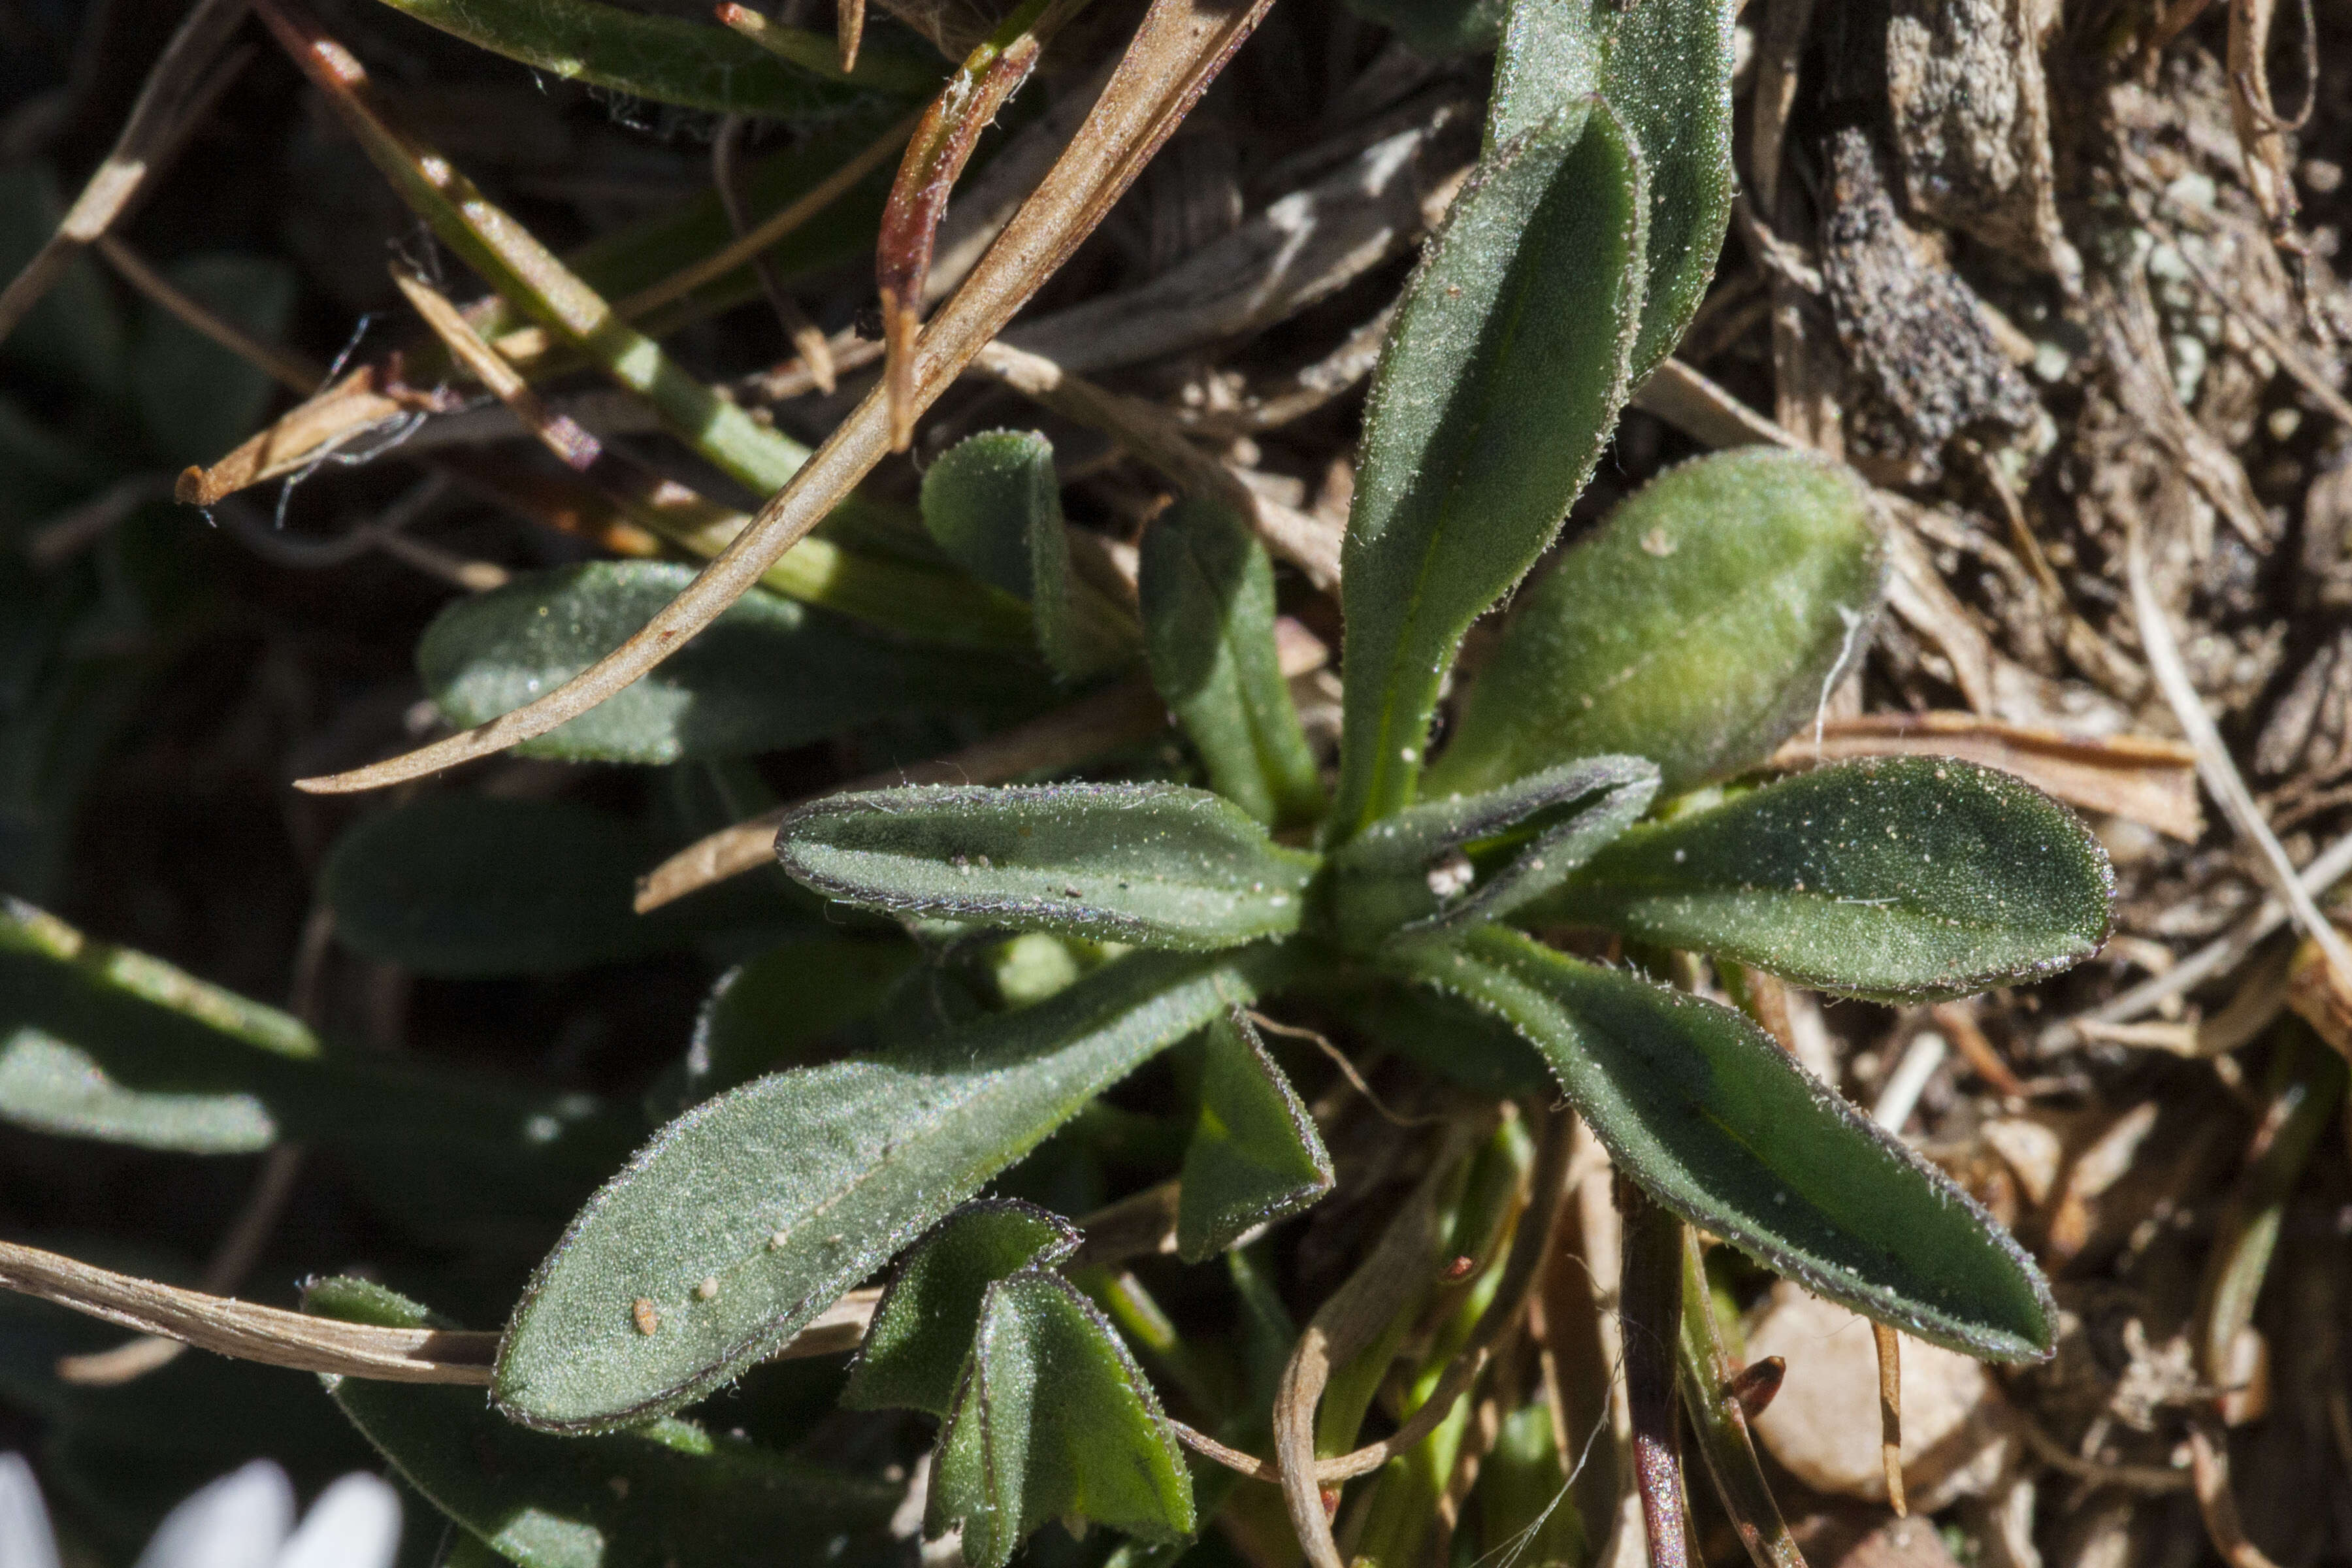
(1889, 1346)
(936, 156)
(291, 370)
(1178, 50)
(2214, 764)
(176, 91)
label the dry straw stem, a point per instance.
(1179, 48)
(1118, 716)
(2214, 764)
(175, 95)
(1529, 1251)
(277, 1338)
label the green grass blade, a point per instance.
(1502, 376)
(1714, 1122)
(789, 1191)
(1904, 878)
(668, 59)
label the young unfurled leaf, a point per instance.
(1706, 620)
(668, 1492)
(768, 674)
(1157, 865)
(1449, 863)
(468, 885)
(1502, 376)
(1900, 877)
(1054, 1420)
(787, 1192)
(914, 1351)
(1208, 615)
(668, 59)
(1255, 1156)
(1716, 1121)
(1666, 70)
(994, 503)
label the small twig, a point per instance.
(176, 94)
(850, 28)
(2208, 1470)
(2214, 764)
(1890, 1415)
(2131, 1477)
(2290, 358)
(1347, 1070)
(1904, 1085)
(726, 175)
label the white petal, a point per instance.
(24, 1538)
(355, 1523)
(239, 1521)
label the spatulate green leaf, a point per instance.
(1899, 878)
(1207, 587)
(787, 1192)
(915, 1350)
(1501, 377)
(769, 674)
(1054, 1420)
(661, 1493)
(1716, 1123)
(1255, 1156)
(669, 59)
(994, 503)
(1451, 863)
(1157, 865)
(1666, 70)
(1703, 622)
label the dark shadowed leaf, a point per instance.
(769, 674)
(1054, 1420)
(102, 1042)
(471, 885)
(671, 60)
(1700, 625)
(1501, 377)
(1437, 28)
(1208, 615)
(1666, 70)
(1452, 862)
(1255, 1156)
(766, 1014)
(914, 1353)
(1445, 1036)
(196, 398)
(1157, 865)
(668, 1492)
(995, 505)
(1901, 878)
(1716, 1121)
(789, 1191)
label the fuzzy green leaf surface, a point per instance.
(1716, 1123)
(1255, 1156)
(668, 59)
(1703, 622)
(1156, 865)
(915, 1350)
(1896, 877)
(663, 1493)
(1452, 862)
(1054, 1420)
(994, 503)
(789, 1191)
(1502, 376)
(1665, 69)
(768, 674)
(1207, 587)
